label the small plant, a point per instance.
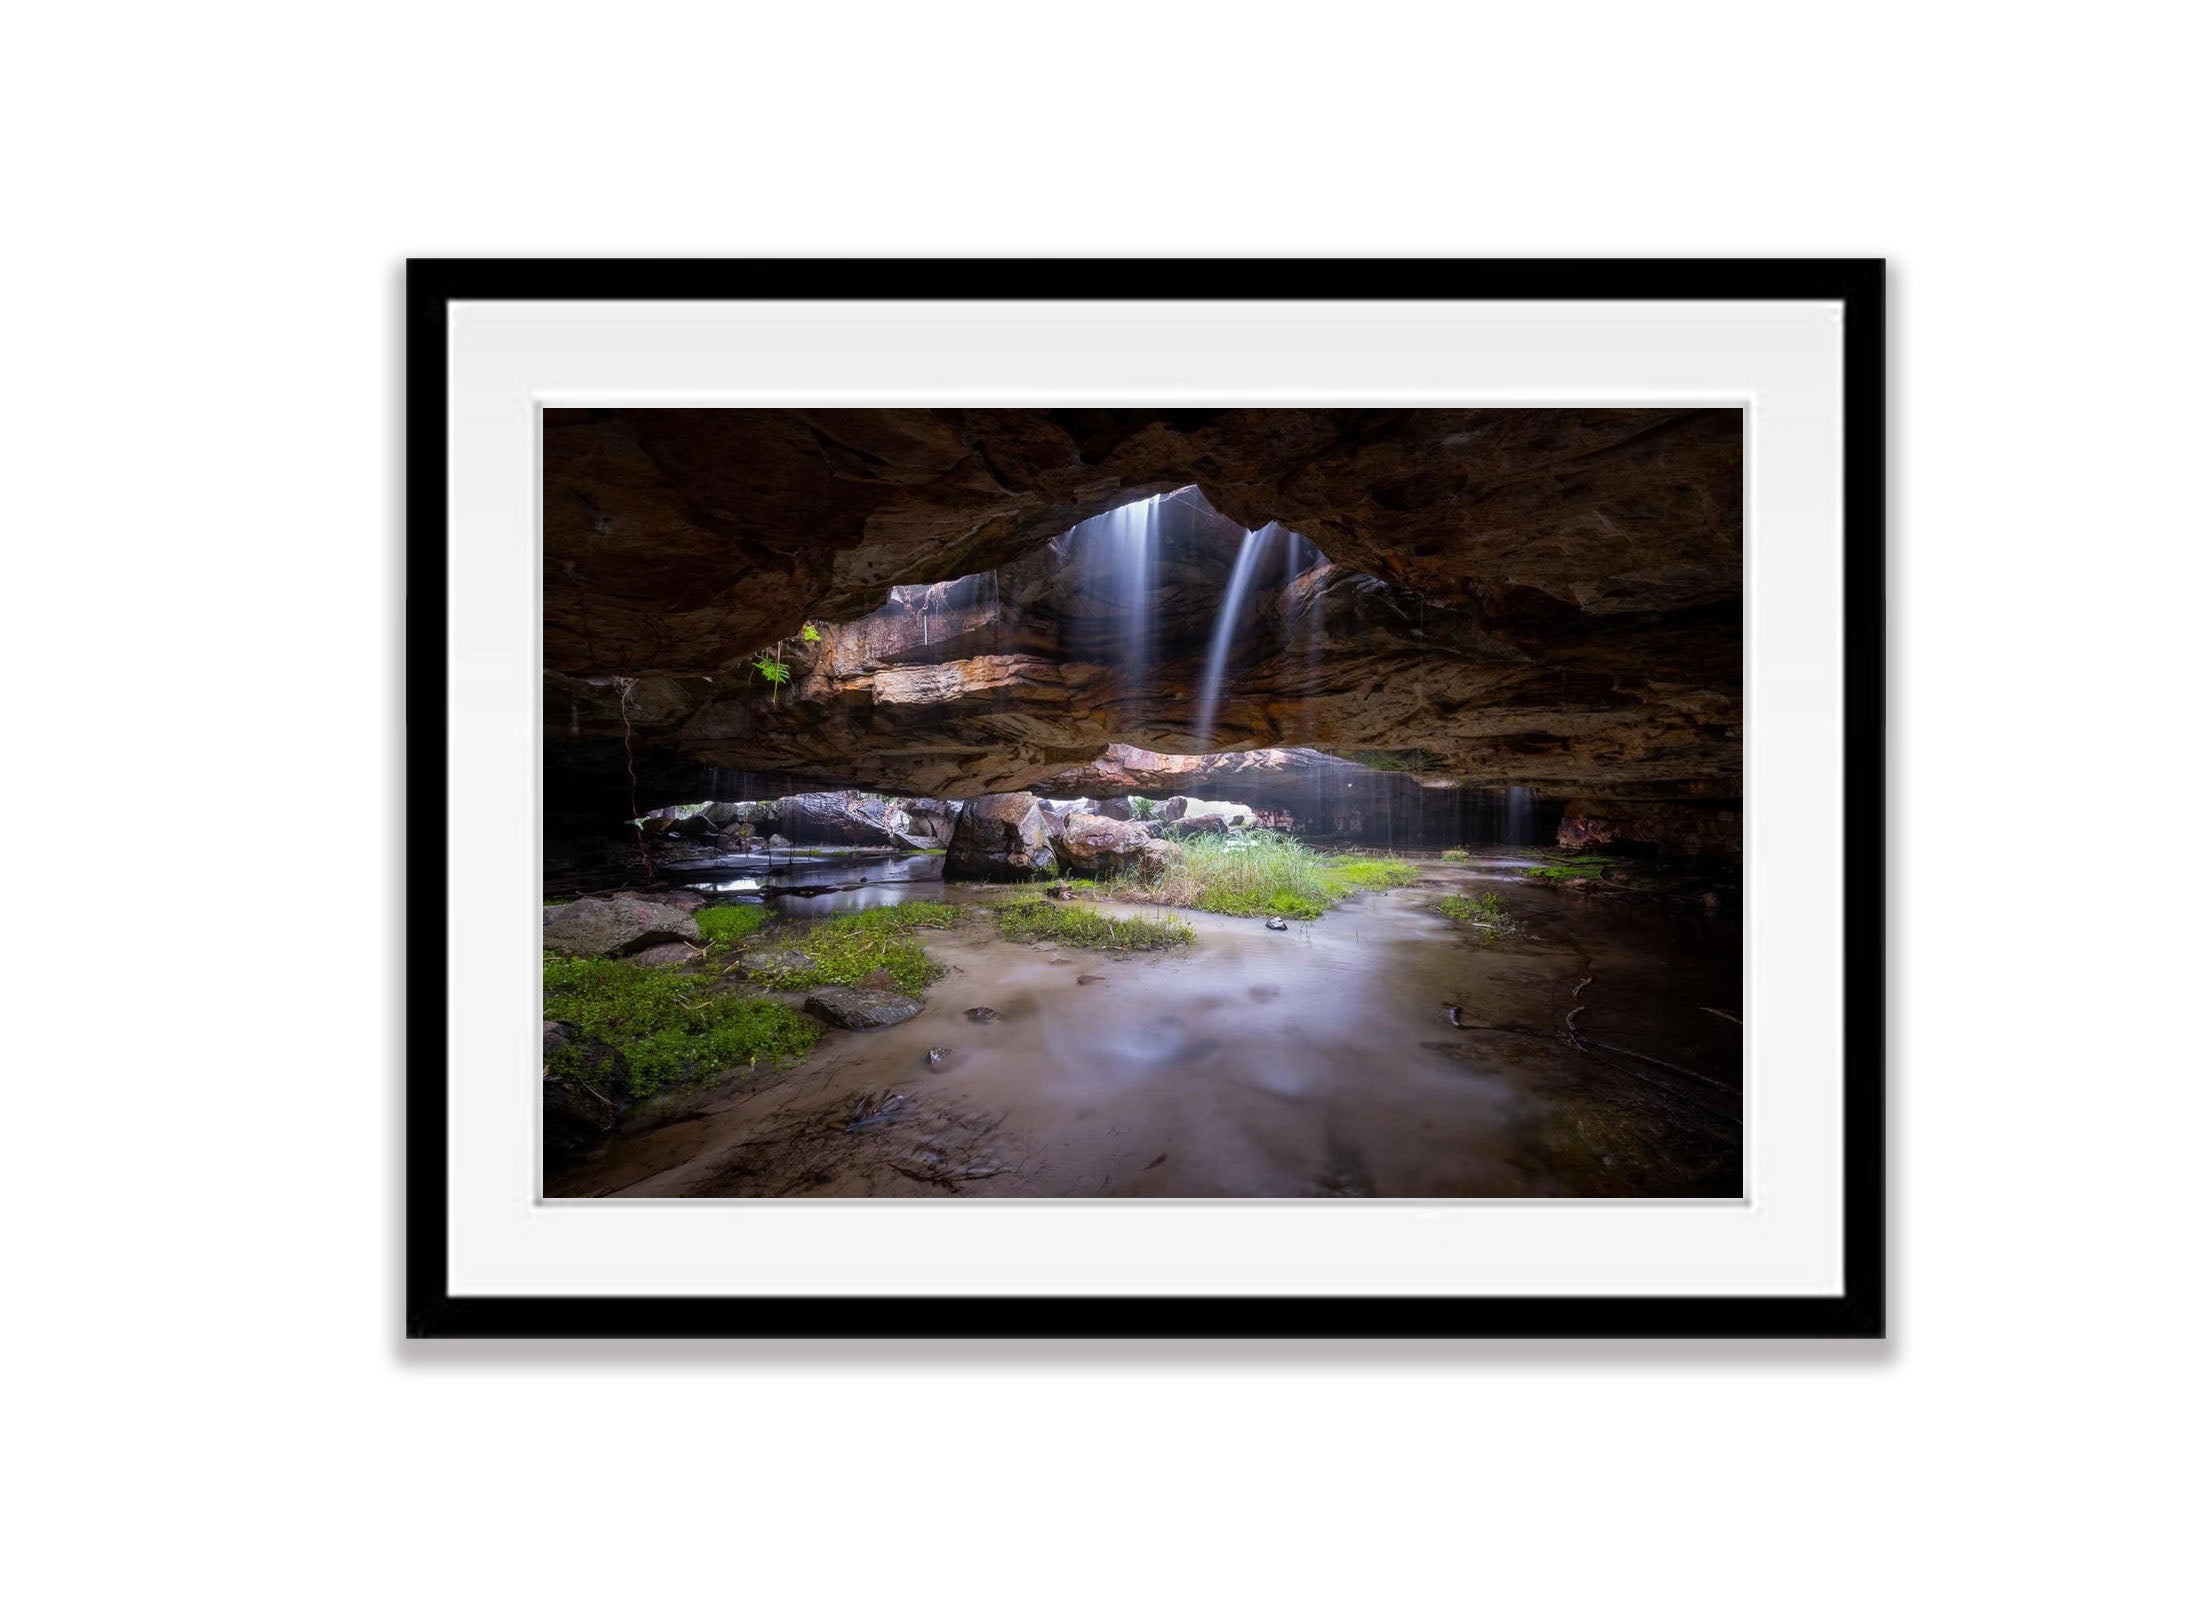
(810, 635)
(1028, 921)
(1457, 855)
(1143, 809)
(775, 671)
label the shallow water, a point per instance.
(830, 881)
(1376, 1051)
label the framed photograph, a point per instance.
(1145, 798)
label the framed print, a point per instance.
(1145, 798)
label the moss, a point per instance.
(1567, 871)
(723, 925)
(665, 1026)
(848, 949)
(1027, 921)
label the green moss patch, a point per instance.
(646, 1029)
(723, 925)
(847, 949)
(1482, 913)
(1029, 921)
(1565, 870)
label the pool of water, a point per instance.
(1378, 1051)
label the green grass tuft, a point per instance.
(1028, 921)
(1578, 867)
(731, 924)
(1457, 855)
(1255, 873)
(667, 1029)
(848, 949)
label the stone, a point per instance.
(574, 1116)
(862, 1008)
(615, 926)
(665, 955)
(982, 1015)
(1105, 848)
(1003, 836)
(1278, 925)
(779, 963)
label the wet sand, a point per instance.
(1376, 1051)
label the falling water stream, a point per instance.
(1218, 651)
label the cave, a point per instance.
(1330, 803)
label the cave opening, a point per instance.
(1052, 732)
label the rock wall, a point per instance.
(1545, 597)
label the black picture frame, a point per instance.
(432, 1311)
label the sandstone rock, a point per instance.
(863, 1008)
(1535, 596)
(1102, 847)
(675, 954)
(1004, 836)
(615, 926)
(1583, 833)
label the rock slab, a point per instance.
(862, 1008)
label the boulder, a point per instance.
(1004, 836)
(863, 1008)
(1583, 833)
(617, 926)
(1104, 847)
(1196, 825)
(1116, 809)
(931, 822)
(1173, 808)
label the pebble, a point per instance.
(1279, 925)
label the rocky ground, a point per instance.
(1590, 1045)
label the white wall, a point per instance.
(208, 208)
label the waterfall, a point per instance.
(1519, 815)
(1116, 554)
(1218, 652)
